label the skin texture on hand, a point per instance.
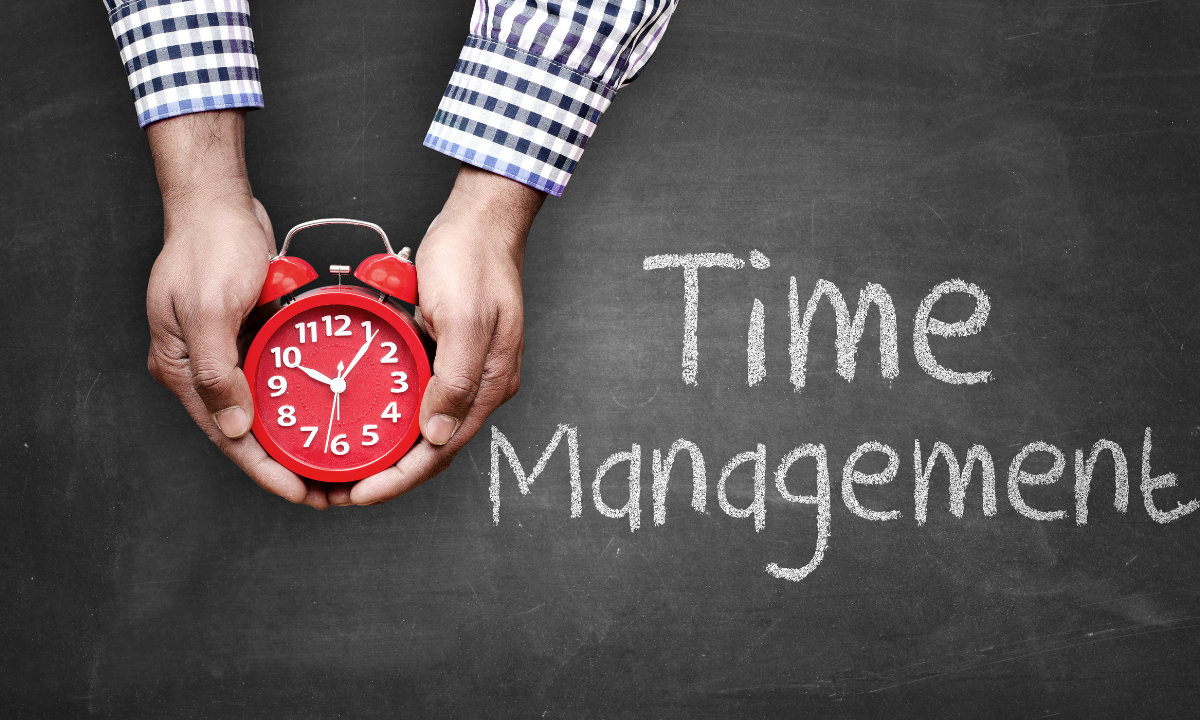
(205, 283)
(469, 278)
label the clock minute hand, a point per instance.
(361, 351)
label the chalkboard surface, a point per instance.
(1046, 154)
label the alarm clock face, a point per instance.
(337, 377)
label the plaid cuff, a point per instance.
(185, 56)
(517, 114)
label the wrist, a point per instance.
(200, 161)
(498, 209)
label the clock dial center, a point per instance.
(337, 385)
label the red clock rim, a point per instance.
(364, 300)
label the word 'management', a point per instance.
(811, 460)
(960, 474)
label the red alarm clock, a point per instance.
(338, 373)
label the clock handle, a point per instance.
(342, 221)
(391, 273)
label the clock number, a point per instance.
(287, 415)
(287, 357)
(368, 434)
(367, 325)
(312, 433)
(340, 332)
(277, 382)
(340, 446)
(312, 330)
(391, 356)
(401, 380)
(390, 412)
(275, 352)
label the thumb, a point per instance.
(462, 348)
(216, 377)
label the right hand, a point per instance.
(204, 286)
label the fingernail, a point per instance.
(233, 422)
(440, 429)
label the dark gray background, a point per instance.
(1046, 152)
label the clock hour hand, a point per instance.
(361, 351)
(314, 375)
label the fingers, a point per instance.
(419, 464)
(463, 343)
(339, 494)
(317, 495)
(425, 459)
(169, 365)
(268, 474)
(209, 332)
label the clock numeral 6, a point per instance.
(368, 433)
(277, 382)
(339, 445)
(391, 412)
(287, 415)
(401, 381)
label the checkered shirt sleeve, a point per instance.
(184, 56)
(533, 79)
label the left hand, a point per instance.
(469, 274)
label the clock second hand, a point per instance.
(332, 408)
(337, 405)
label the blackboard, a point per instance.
(1045, 153)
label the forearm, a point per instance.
(200, 159)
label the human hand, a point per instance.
(204, 286)
(469, 278)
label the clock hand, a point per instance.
(361, 351)
(337, 385)
(337, 390)
(330, 428)
(314, 375)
